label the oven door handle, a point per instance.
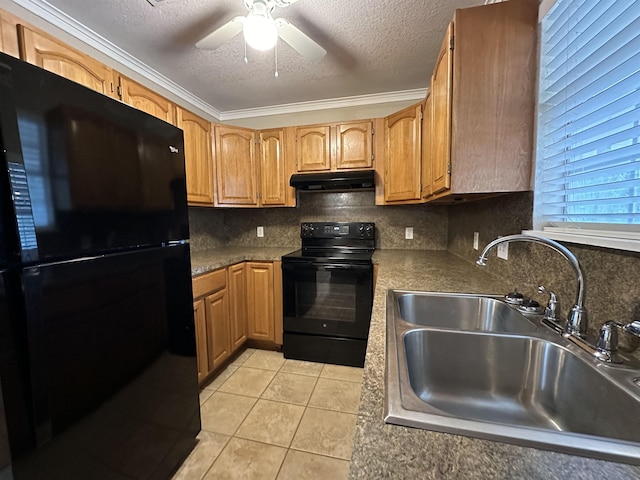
(327, 266)
(324, 266)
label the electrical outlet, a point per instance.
(260, 231)
(476, 240)
(503, 250)
(408, 233)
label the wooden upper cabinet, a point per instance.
(313, 148)
(9, 34)
(354, 148)
(440, 94)
(427, 120)
(142, 98)
(197, 156)
(273, 171)
(236, 173)
(402, 155)
(46, 52)
(483, 94)
(335, 146)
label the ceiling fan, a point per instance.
(261, 31)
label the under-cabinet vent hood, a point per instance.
(334, 181)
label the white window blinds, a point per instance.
(588, 159)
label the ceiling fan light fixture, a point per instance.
(259, 29)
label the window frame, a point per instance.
(615, 236)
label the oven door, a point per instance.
(330, 299)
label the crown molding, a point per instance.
(59, 19)
(63, 21)
(343, 102)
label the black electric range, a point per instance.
(328, 293)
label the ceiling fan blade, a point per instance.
(284, 3)
(222, 34)
(299, 41)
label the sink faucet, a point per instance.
(577, 318)
(607, 345)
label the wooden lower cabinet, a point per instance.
(217, 314)
(201, 338)
(211, 316)
(237, 286)
(260, 301)
(235, 304)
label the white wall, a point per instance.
(321, 116)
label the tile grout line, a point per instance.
(305, 406)
(216, 458)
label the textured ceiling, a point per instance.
(374, 46)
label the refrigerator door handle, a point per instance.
(32, 279)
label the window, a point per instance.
(588, 151)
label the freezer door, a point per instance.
(88, 174)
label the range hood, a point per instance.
(334, 181)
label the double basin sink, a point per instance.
(474, 365)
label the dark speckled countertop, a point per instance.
(208, 260)
(395, 452)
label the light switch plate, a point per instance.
(260, 231)
(476, 240)
(503, 250)
(408, 233)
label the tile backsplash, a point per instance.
(612, 277)
(237, 227)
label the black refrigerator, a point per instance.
(98, 372)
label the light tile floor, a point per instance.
(265, 417)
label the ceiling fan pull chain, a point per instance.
(276, 52)
(246, 60)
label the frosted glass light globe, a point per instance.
(260, 32)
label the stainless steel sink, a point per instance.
(534, 389)
(464, 312)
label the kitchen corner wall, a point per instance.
(213, 228)
(612, 277)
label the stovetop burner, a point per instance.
(339, 242)
(337, 255)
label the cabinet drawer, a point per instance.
(209, 282)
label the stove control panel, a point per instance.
(338, 230)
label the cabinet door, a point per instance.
(427, 187)
(199, 316)
(218, 345)
(277, 302)
(237, 286)
(313, 148)
(235, 166)
(9, 34)
(440, 93)
(354, 146)
(197, 157)
(39, 49)
(260, 306)
(402, 155)
(144, 99)
(273, 177)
